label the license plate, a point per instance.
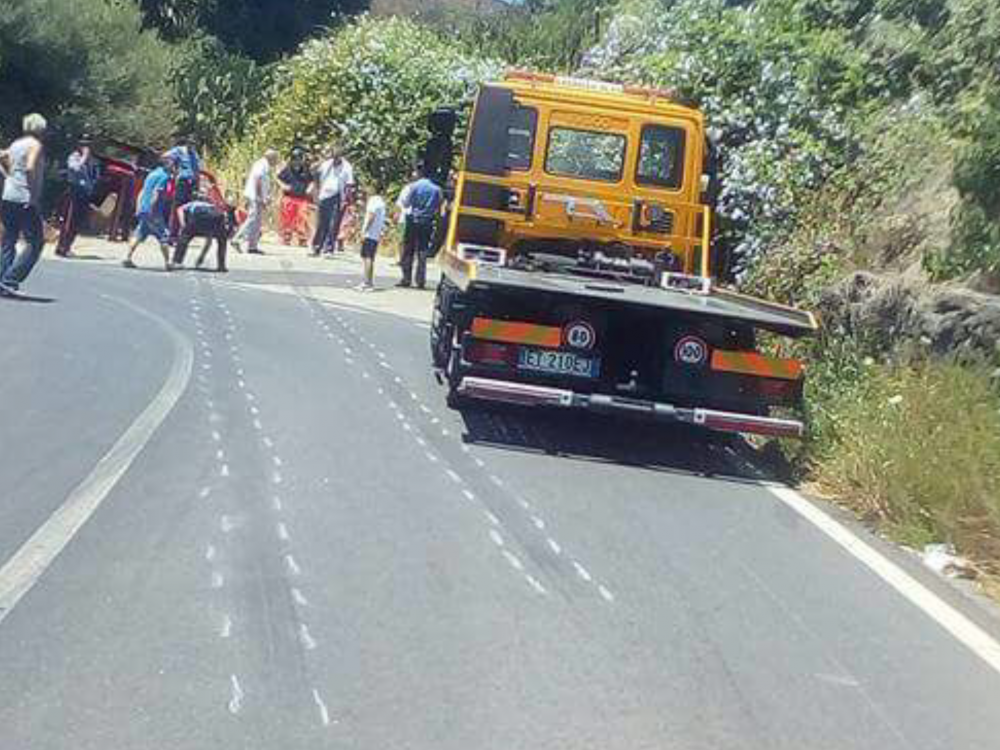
(558, 363)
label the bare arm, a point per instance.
(33, 154)
(4, 163)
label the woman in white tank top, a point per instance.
(23, 168)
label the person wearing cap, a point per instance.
(295, 180)
(82, 172)
(23, 168)
(185, 156)
(257, 193)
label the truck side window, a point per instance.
(521, 138)
(661, 157)
(585, 154)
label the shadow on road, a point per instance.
(30, 298)
(670, 448)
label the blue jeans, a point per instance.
(19, 219)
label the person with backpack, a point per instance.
(82, 173)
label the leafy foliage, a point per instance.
(86, 65)
(261, 29)
(217, 91)
(367, 88)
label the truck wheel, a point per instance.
(453, 373)
(442, 328)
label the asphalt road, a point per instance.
(311, 550)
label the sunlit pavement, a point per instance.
(285, 539)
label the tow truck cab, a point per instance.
(578, 264)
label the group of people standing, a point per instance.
(170, 210)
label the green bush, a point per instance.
(86, 64)
(217, 91)
(918, 449)
(367, 87)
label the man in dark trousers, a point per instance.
(424, 202)
(82, 174)
(185, 156)
(200, 218)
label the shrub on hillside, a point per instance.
(367, 87)
(86, 64)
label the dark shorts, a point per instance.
(151, 225)
(369, 248)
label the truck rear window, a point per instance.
(661, 157)
(586, 154)
(521, 137)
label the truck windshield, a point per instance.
(585, 154)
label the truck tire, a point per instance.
(453, 375)
(442, 327)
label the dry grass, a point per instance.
(917, 450)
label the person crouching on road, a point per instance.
(295, 180)
(257, 192)
(149, 214)
(371, 233)
(424, 201)
(23, 169)
(200, 218)
(82, 171)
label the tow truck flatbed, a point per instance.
(716, 302)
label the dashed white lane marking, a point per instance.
(298, 597)
(453, 476)
(514, 561)
(254, 410)
(964, 630)
(478, 462)
(276, 478)
(220, 454)
(226, 524)
(421, 442)
(250, 397)
(209, 403)
(276, 503)
(282, 532)
(425, 409)
(554, 546)
(582, 572)
(524, 503)
(496, 480)
(491, 518)
(226, 628)
(444, 432)
(257, 425)
(224, 470)
(535, 584)
(268, 443)
(236, 695)
(276, 460)
(496, 537)
(539, 523)
(216, 436)
(305, 638)
(324, 712)
(469, 495)
(19, 573)
(217, 580)
(204, 492)
(431, 457)
(293, 567)
(605, 594)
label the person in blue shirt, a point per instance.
(149, 213)
(185, 156)
(423, 200)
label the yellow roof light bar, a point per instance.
(590, 84)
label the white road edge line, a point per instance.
(22, 571)
(964, 630)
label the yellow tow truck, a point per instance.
(578, 267)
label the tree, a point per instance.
(262, 29)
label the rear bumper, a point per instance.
(524, 394)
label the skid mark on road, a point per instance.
(425, 427)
